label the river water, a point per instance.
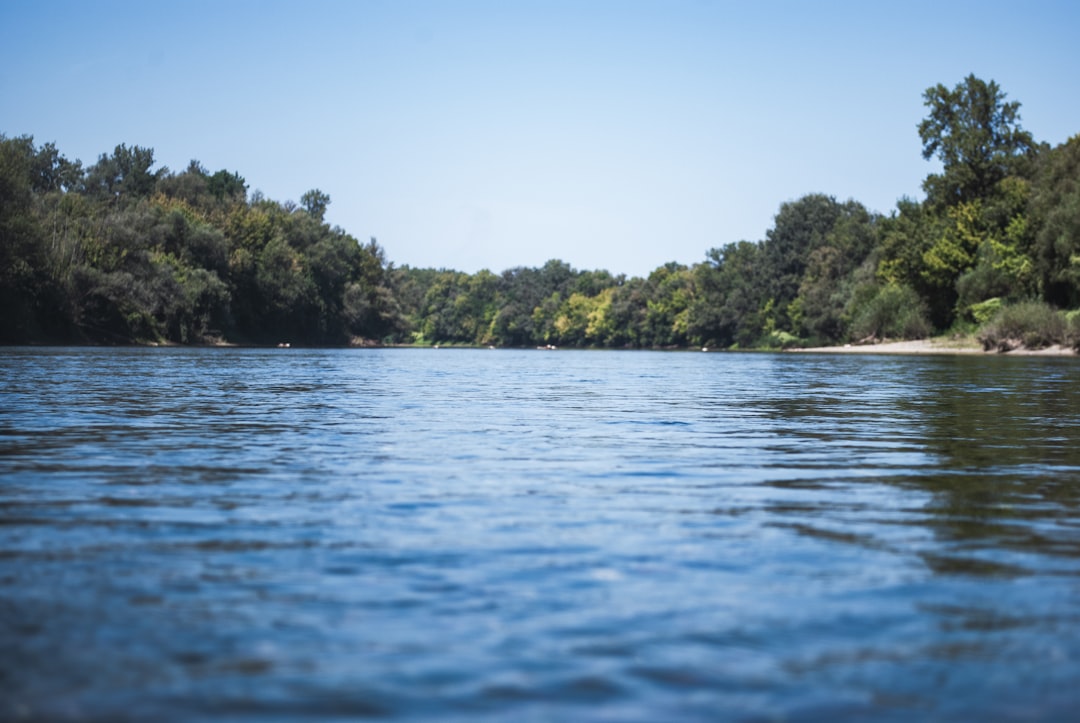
(523, 535)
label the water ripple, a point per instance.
(190, 534)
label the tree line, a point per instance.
(120, 252)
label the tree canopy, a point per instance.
(127, 251)
(977, 137)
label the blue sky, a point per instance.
(469, 135)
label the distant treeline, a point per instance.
(122, 253)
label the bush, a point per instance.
(1028, 324)
(895, 312)
(1072, 329)
(778, 339)
(984, 311)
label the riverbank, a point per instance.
(933, 346)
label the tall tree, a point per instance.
(126, 173)
(727, 309)
(800, 228)
(315, 202)
(976, 135)
(229, 186)
(1055, 210)
(20, 239)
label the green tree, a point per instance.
(286, 290)
(226, 186)
(189, 186)
(21, 253)
(371, 309)
(670, 292)
(800, 228)
(1002, 267)
(571, 323)
(315, 202)
(125, 174)
(1055, 215)
(892, 312)
(459, 307)
(821, 310)
(727, 308)
(977, 137)
(51, 171)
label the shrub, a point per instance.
(778, 339)
(1029, 324)
(984, 311)
(1072, 329)
(895, 312)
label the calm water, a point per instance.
(524, 535)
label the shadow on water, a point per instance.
(995, 442)
(984, 457)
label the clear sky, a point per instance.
(468, 135)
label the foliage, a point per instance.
(984, 311)
(1072, 331)
(977, 137)
(125, 251)
(1055, 211)
(315, 202)
(893, 312)
(1030, 324)
(801, 229)
(727, 310)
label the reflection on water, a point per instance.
(579, 535)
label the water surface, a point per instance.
(525, 535)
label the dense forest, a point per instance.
(121, 252)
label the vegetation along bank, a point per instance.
(121, 252)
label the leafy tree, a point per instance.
(727, 309)
(976, 135)
(226, 186)
(189, 186)
(927, 250)
(286, 290)
(51, 171)
(802, 227)
(821, 309)
(446, 309)
(893, 312)
(523, 289)
(519, 319)
(601, 328)
(670, 293)
(544, 318)
(623, 322)
(315, 202)
(1002, 267)
(818, 311)
(571, 323)
(125, 174)
(123, 281)
(21, 253)
(371, 308)
(192, 302)
(1055, 215)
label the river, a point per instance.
(408, 534)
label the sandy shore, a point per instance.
(931, 346)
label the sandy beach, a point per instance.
(932, 346)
